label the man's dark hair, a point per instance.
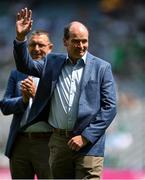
(66, 31)
(39, 32)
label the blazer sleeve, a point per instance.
(12, 103)
(107, 112)
(24, 62)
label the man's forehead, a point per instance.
(78, 35)
(41, 37)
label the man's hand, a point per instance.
(77, 142)
(28, 89)
(25, 95)
(23, 23)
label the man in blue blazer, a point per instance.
(76, 94)
(27, 149)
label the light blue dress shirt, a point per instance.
(64, 103)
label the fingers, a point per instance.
(25, 96)
(26, 92)
(24, 14)
(23, 23)
(75, 143)
(28, 87)
(27, 14)
(29, 79)
(27, 82)
(24, 89)
(18, 16)
(73, 146)
(30, 25)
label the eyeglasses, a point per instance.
(41, 46)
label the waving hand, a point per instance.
(23, 23)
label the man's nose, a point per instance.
(36, 47)
(80, 44)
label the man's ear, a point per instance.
(51, 46)
(65, 42)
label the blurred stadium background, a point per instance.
(117, 34)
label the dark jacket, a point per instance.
(12, 103)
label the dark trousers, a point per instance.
(68, 164)
(30, 156)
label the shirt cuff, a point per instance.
(19, 42)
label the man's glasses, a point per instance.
(41, 46)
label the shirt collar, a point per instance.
(84, 58)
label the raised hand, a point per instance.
(23, 23)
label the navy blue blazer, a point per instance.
(97, 102)
(12, 103)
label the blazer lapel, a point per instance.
(57, 72)
(87, 70)
(51, 74)
(47, 84)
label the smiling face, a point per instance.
(77, 41)
(39, 46)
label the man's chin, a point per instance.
(36, 57)
(80, 55)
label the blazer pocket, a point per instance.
(92, 85)
(92, 90)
